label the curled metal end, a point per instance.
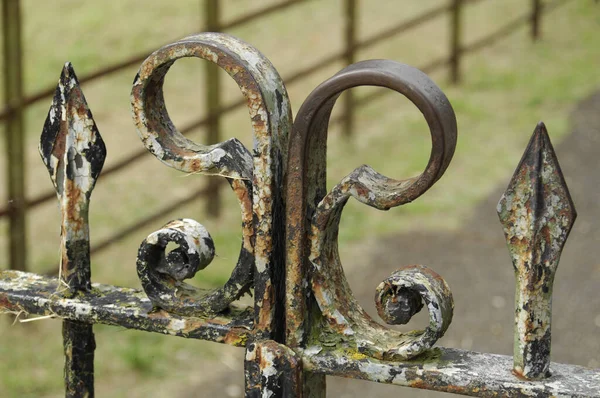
(401, 296)
(162, 273)
(396, 305)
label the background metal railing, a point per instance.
(16, 103)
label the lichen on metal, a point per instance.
(73, 152)
(401, 296)
(537, 214)
(305, 322)
(256, 177)
(118, 306)
(455, 371)
(347, 325)
(162, 274)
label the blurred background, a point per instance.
(504, 65)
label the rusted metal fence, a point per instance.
(18, 202)
(305, 322)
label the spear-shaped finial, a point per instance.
(74, 154)
(537, 213)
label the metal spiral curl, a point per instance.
(254, 176)
(162, 273)
(349, 324)
(401, 295)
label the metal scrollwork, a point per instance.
(252, 175)
(346, 321)
(305, 323)
(162, 273)
(401, 295)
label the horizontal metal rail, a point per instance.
(137, 59)
(442, 369)
(459, 372)
(259, 13)
(48, 92)
(26, 293)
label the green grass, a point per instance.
(506, 89)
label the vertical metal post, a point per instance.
(15, 155)
(455, 49)
(74, 153)
(350, 42)
(536, 13)
(213, 105)
(537, 214)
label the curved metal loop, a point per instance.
(364, 183)
(258, 80)
(347, 321)
(256, 178)
(162, 274)
(401, 295)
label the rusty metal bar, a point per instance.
(508, 28)
(213, 103)
(327, 61)
(428, 68)
(350, 42)
(455, 371)
(139, 58)
(476, 45)
(135, 60)
(443, 369)
(469, 48)
(537, 214)
(136, 156)
(455, 35)
(118, 306)
(15, 135)
(273, 370)
(48, 92)
(260, 13)
(536, 13)
(74, 152)
(404, 26)
(305, 322)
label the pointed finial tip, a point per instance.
(541, 126)
(68, 68)
(540, 135)
(68, 75)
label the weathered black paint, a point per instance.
(305, 323)
(73, 152)
(79, 359)
(537, 214)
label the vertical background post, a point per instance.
(350, 43)
(213, 105)
(15, 155)
(455, 30)
(536, 14)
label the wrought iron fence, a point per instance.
(305, 322)
(19, 203)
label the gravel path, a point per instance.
(475, 263)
